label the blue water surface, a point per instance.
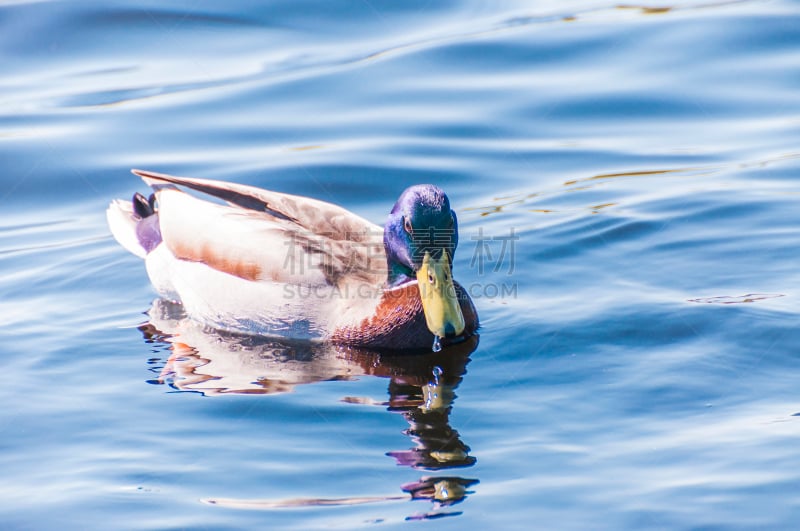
(627, 179)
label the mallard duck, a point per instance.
(260, 262)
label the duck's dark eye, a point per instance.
(430, 277)
(407, 225)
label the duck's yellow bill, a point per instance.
(439, 301)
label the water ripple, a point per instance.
(301, 64)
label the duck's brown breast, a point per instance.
(399, 322)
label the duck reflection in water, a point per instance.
(421, 388)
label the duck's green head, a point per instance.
(420, 237)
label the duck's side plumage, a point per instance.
(267, 235)
(271, 263)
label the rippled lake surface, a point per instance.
(627, 179)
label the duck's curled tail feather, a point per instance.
(134, 224)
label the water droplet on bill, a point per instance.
(437, 345)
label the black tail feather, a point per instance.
(142, 206)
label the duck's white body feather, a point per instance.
(264, 263)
